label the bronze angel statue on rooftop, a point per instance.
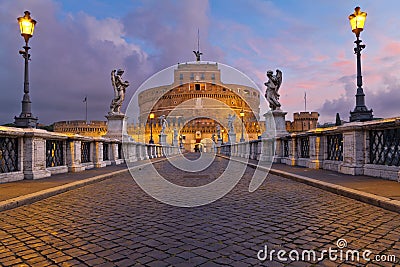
(273, 85)
(197, 54)
(119, 86)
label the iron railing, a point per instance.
(254, 151)
(384, 147)
(304, 147)
(8, 154)
(286, 148)
(335, 147)
(54, 153)
(85, 152)
(105, 152)
(119, 151)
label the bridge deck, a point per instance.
(115, 223)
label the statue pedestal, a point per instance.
(162, 139)
(175, 142)
(231, 138)
(116, 126)
(275, 124)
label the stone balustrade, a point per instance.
(358, 148)
(35, 153)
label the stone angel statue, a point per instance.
(119, 87)
(231, 118)
(164, 123)
(273, 85)
(218, 131)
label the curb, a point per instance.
(372, 199)
(40, 195)
(46, 193)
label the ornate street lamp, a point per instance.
(361, 112)
(222, 134)
(26, 120)
(151, 128)
(242, 116)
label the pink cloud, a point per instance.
(393, 47)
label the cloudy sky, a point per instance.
(77, 43)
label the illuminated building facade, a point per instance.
(195, 103)
(81, 127)
(302, 121)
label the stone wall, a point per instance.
(35, 153)
(358, 148)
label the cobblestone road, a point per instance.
(114, 223)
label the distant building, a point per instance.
(92, 128)
(196, 87)
(302, 122)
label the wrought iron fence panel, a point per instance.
(335, 147)
(384, 148)
(119, 151)
(105, 152)
(54, 153)
(8, 154)
(286, 148)
(228, 150)
(85, 152)
(255, 150)
(304, 147)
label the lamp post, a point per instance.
(222, 134)
(25, 119)
(242, 116)
(361, 112)
(151, 128)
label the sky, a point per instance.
(77, 43)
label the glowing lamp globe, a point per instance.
(26, 25)
(357, 21)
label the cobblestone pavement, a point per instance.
(24, 187)
(114, 223)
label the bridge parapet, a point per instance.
(36, 153)
(358, 148)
